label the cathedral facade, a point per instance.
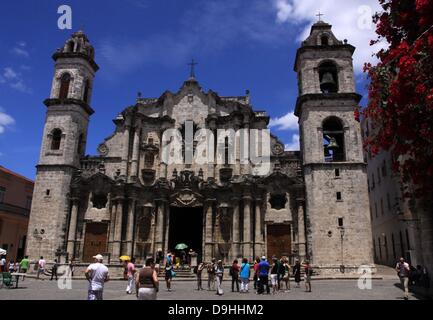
(128, 200)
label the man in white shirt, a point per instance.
(41, 266)
(97, 275)
(403, 270)
(2, 264)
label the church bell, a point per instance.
(332, 144)
(328, 83)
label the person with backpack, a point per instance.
(297, 273)
(245, 275)
(219, 273)
(403, 270)
(281, 271)
(234, 273)
(211, 275)
(169, 272)
(263, 272)
(54, 270)
(308, 273)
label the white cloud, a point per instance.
(351, 20)
(294, 145)
(5, 121)
(287, 122)
(20, 50)
(14, 79)
(9, 74)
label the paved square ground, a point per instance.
(386, 289)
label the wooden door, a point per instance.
(95, 240)
(279, 240)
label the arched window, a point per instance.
(226, 151)
(324, 40)
(65, 81)
(278, 201)
(149, 160)
(56, 139)
(328, 75)
(333, 138)
(86, 91)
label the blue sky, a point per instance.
(144, 45)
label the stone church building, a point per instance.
(127, 201)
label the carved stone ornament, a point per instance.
(186, 198)
(103, 149)
(278, 149)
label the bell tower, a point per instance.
(338, 221)
(63, 144)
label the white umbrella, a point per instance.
(2, 252)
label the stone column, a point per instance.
(167, 226)
(258, 235)
(247, 252)
(125, 153)
(72, 228)
(208, 254)
(151, 212)
(130, 227)
(135, 152)
(301, 230)
(159, 229)
(112, 226)
(118, 230)
(236, 231)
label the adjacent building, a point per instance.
(15, 202)
(397, 222)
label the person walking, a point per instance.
(297, 273)
(24, 265)
(308, 270)
(146, 282)
(245, 275)
(54, 270)
(274, 275)
(169, 271)
(97, 274)
(72, 266)
(211, 275)
(263, 271)
(256, 273)
(41, 266)
(130, 273)
(234, 273)
(199, 273)
(286, 274)
(403, 269)
(219, 274)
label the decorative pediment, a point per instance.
(186, 179)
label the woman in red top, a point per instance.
(256, 272)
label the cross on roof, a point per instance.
(192, 64)
(320, 16)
